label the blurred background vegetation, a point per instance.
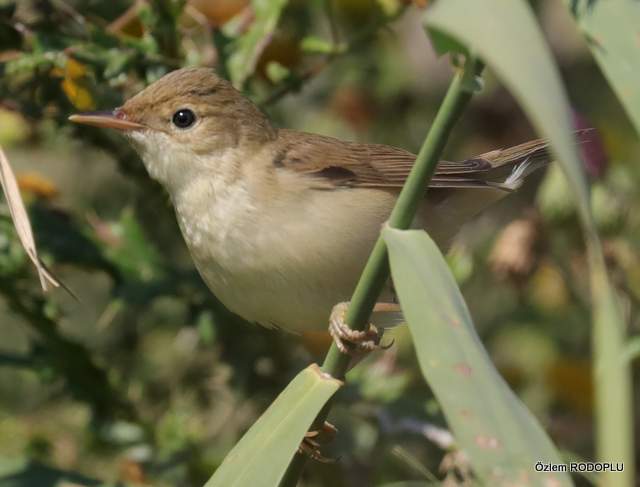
(145, 378)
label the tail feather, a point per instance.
(510, 167)
(458, 196)
(520, 172)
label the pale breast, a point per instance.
(276, 260)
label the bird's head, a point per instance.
(185, 122)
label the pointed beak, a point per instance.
(110, 120)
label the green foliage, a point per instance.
(611, 30)
(535, 82)
(265, 451)
(495, 430)
(135, 256)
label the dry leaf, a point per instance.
(21, 221)
(514, 253)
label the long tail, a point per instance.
(510, 167)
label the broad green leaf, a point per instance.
(512, 44)
(611, 28)
(249, 46)
(265, 451)
(501, 438)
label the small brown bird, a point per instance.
(279, 222)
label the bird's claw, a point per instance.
(314, 439)
(353, 342)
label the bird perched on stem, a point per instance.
(279, 222)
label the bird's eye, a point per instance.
(184, 118)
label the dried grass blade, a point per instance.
(21, 221)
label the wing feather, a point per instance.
(334, 163)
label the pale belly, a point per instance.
(286, 264)
(289, 268)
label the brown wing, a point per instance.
(336, 163)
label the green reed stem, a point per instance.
(376, 271)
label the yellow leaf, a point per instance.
(74, 69)
(36, 184)
(76, 85)
(78, 95)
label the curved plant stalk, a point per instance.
(376, 272)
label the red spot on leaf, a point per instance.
(462, 369)
(487, 442)
(552, 482)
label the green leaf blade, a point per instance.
(501, 438)
(612, 31)
(265, 451)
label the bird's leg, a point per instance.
(356, 342)
(314, 439)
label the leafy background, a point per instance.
(145, 378)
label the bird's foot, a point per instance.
(315, 439)
(353, 342)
